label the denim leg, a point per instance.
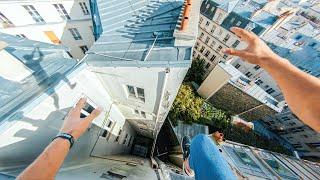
(207, 161)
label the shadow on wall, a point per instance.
(34, 63)
(24, 142)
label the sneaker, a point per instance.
(185, 146)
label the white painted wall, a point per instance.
(24, 136)
(150, 79)
(24, 24)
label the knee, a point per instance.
(200, 139)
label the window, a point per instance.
(141, 94)
(201, 35)
(257, 67)
(110, 124)
(84, 49)
(202, 49)
(232, 20)
(198, 57)
(136, 111)
(118, 137)
(292, 123)
(220, 32)
(75, 33)
(235, 44)
(313, 44)
(143, 114)
(136, 92)
(219, 48)
(238, 23)
(129, 142)
(226, 38)
(270, 90)
(259, 82)
(5, 21)
(125, 139)
(21, 35)
(219, 17)
(266, 86)
(212, 44)
(84, 8)
(213, 29)
(225, 56)
(207, 40)
(196, 46)
(34, 13)
(212, 58)
(62, 11)
(207, 66)
(87, 109)
(298, 37)
(104, 134)
(201, 19)
(248, 74)
(131, 91)
(237, 66)
(207, 54)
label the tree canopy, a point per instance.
(196, 71)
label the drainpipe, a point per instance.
(167, 71)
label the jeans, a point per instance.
(207, 161)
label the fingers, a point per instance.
(95, 113)
(241, 53)
(243, 34)
(80, 104)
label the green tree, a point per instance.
(196, 71)
(187, 106)
(214, 117)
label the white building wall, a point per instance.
(152, 80)
(24, 23)
(27, 133)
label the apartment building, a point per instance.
(228, 89)
(133, 71)
(65, 22)
(298, 41)
(217, 17)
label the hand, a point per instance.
(257, 52)
(75, 125)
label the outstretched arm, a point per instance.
(301, 90)
(49, 161)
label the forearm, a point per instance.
(48, 163)
(301, 90)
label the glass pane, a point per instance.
(131, 91)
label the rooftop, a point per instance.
(30, 70)
(141, 32)
(248, 9)
(240, 81)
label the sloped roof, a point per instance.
(138, 30)
(46, 63)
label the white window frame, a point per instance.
(84, 48)
(34, 13)
(84, 8)
(136, 95)
(62, 11)
(75, 33)
(90, 102)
